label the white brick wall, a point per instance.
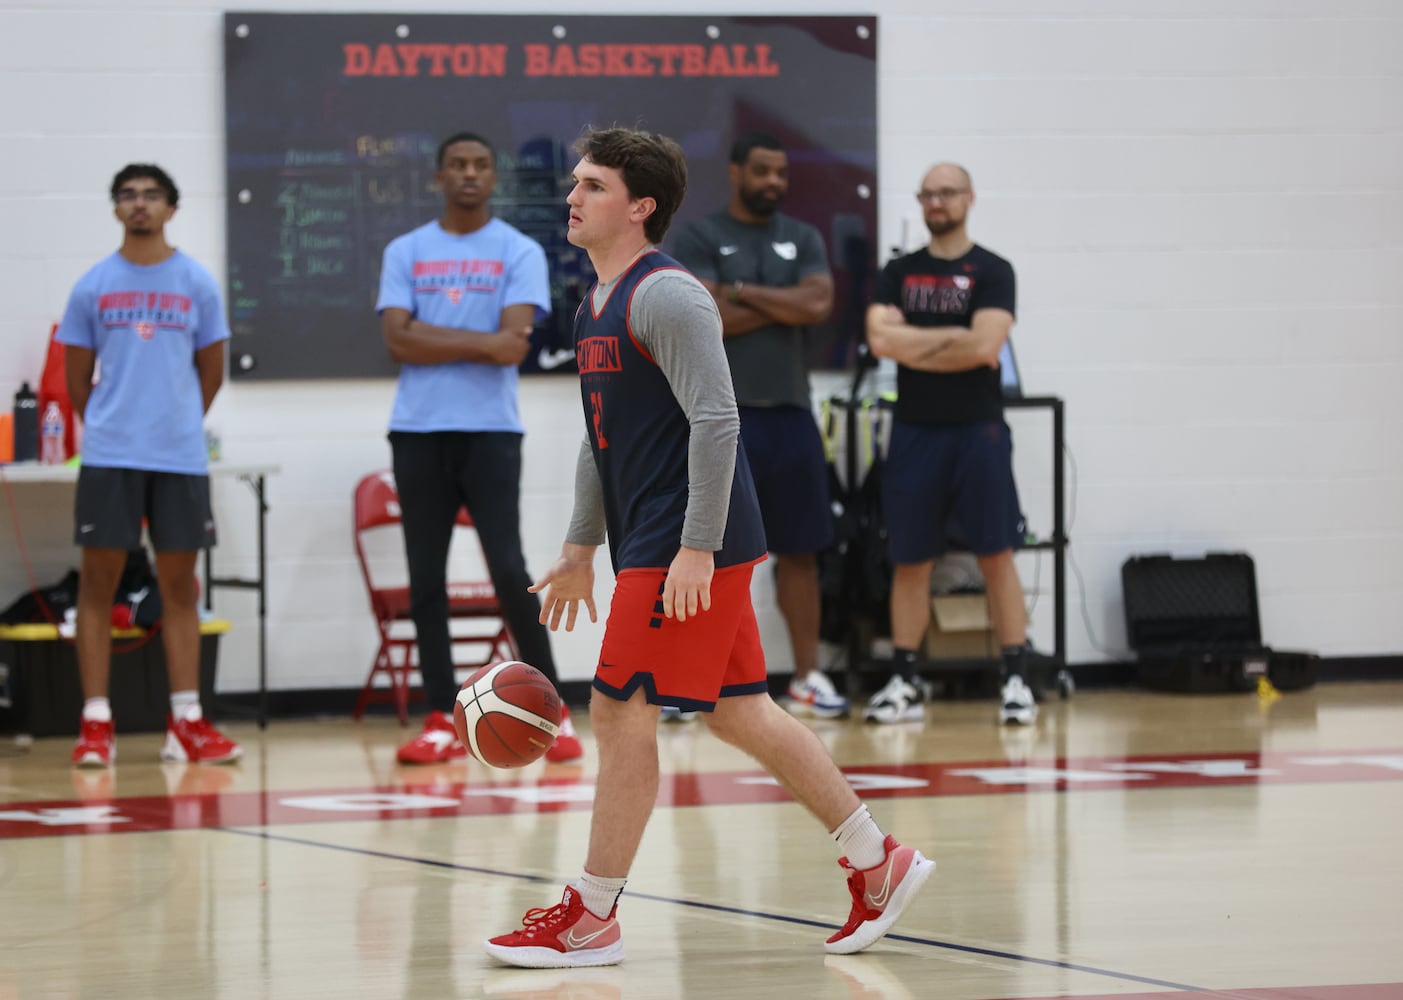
(1203, 199)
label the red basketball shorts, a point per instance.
(714, 654)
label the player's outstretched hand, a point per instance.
(569, 581)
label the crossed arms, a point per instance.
(414, 342)
(941, 348)
(751, 307)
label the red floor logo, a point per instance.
(466, 790)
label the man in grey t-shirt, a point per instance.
(770, 278)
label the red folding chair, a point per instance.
(376, 508)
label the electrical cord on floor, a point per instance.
(1072, 479)
(24, 553)
(1033, 590)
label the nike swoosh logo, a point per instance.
(580, 942)
(547, 359)
(879, 899)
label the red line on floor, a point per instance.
(197, 799)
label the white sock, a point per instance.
(185, 706)
(97, 710)
(862, 842)
(599, 894)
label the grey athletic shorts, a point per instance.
(112, 503)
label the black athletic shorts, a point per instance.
(112, 503)
(944, 480)
(790, 470)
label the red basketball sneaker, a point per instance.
(567, 744)
(198, 742)
(96, 746)
(879, 896)
(564, 936)
(437, 743)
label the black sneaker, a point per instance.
(899, 701)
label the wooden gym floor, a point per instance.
(1131, 845)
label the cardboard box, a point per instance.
(959, 627)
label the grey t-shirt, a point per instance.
(675, 320)
(767, 364)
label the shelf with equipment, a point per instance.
(1051, 665)
(857, 499)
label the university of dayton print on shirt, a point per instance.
(463, 282)
(455, 278)
(145, 323)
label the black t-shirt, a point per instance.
(933, 292)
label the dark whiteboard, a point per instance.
(332, 122)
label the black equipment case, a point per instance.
(1194, 626)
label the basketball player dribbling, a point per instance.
(662, 476)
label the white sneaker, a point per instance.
(671, 713)
(1017, 705)
(816, 696)
(899, 701)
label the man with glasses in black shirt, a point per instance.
(943, 314)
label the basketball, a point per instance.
(507, 714)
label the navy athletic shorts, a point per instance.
(791, 477)
(950, 485)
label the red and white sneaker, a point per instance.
(564, 936)
(198, 742)
(96, 746)
(879, 896)
(437, 743)
(815, 695)
(567, 743)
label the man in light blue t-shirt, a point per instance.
(458, 299)
(149, 322)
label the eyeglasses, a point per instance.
(128, 195)
(941, 194)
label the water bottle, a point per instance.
(26, 420)
(51, 451)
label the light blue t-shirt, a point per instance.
(145, 323)
(462, 282)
